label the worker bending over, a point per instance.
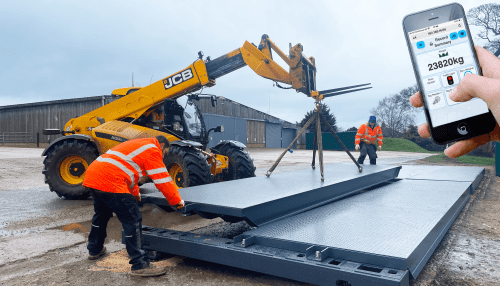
(112, 179)
(369, 134)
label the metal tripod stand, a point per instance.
(318, 142)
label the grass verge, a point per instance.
(402, 145)
(441, 158)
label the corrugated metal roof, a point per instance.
(80, 99)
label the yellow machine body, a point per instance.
(112, 133)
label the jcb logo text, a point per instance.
(178, 78)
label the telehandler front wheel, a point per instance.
(187, 166)
(65, 166)
(240, 164)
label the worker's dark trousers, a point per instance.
(127, 211)
(369, 149)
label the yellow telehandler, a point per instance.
(167, 108)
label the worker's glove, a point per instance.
(138, 197)
(357, 147)
(180, 205)
(380, 148)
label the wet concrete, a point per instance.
(31, 205)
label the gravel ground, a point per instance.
(43, 238)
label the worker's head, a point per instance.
(164, 144)
(372, 121)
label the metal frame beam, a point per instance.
(273, 261)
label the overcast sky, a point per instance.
(53, 50)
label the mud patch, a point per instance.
(75, 227)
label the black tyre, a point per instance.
(240, 164)
(188, 167)
(65, 166)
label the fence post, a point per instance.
(38, 139)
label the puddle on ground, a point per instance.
(151, 216)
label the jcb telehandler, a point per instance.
(167, 108)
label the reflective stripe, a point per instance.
(140, 150)
(358, 134)
(93, 225)
(156, 171)
(128, 235)
(379, 139)
(128, 160)
(119, 165)
(162, 181)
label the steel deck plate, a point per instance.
(443, 173)
(380, 237)
(408, 171)
(397, 225)
(261, 200)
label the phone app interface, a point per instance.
(443, 56)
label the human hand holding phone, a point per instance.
(442, 52)
(487, 88)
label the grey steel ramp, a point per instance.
(408, 171)
(398, 225)
(443, 173)
(261, 200)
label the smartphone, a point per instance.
(442, 53)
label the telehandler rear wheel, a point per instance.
(240, 164)
(65, 166)
(188, 167)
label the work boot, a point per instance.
(373, 161)
(102, 253)
(361, 161)
(150, 271)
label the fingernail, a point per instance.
(453, 93)
(446, 151)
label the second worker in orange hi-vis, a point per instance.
(368, 135)
(112, 179)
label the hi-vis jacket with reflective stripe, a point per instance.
(119, 169)
(369, 135)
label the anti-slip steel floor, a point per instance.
(443, 173)
(383, 236)
(261, 200)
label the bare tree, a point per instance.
(488, 17)
(395, 112)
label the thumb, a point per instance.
(475, 86)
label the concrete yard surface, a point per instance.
(43, 237)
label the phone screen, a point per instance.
(443, 55)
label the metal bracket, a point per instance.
(245, 240)
(317, 253)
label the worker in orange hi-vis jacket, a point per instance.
(368, 135)
(112, 179)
